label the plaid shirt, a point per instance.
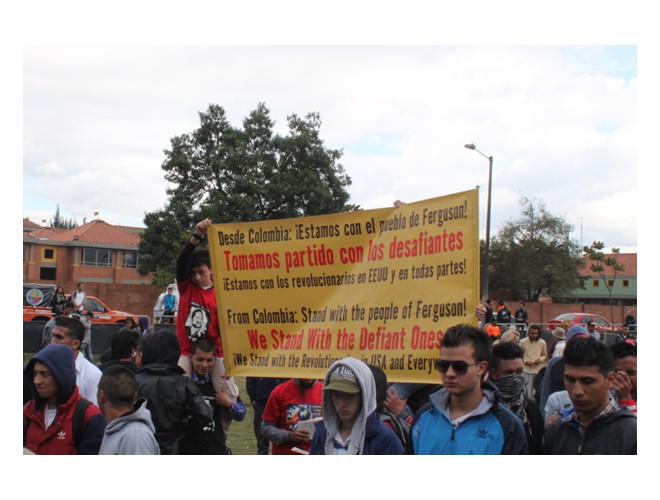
(611, 407)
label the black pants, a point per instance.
(262, 443)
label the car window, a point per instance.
(567, 316)
(586, 319)
(601, 322)
(93, 305)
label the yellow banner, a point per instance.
(381, 285)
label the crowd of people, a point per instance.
(158, 392)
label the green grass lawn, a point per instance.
(241, 438)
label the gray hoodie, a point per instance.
(331, 420)
(131, 434)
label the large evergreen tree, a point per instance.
(534, 255)
(231, 174)
(59, 222)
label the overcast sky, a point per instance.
(560, 122)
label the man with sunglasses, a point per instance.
(465, 416)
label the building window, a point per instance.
(131, 259)
(100, 257)
(48, 273)
(49, 254)
(595, 283)
(610, 283)
(625, 283)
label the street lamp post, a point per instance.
(487, 258)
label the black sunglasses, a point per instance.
(460, 367)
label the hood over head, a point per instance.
(160, 347)
(343, 375)
(61, 362)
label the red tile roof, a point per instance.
(28, 223)
(628, 260)
(96, 231)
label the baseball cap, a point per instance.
(342, 379)
(576, 330)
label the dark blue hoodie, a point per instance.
(57, 439)
(60, 361)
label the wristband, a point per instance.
(197, 237)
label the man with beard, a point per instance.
(506, 372)
(291, 402)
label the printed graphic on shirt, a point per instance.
(302, 411)
(197, 322)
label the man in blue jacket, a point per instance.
(464, 417)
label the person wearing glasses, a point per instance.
(464, 416)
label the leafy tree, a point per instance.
(606, 266)
(241, 174)
(59, 222)
(533, 255)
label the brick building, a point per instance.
(101, 255)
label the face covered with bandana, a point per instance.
(510, 383)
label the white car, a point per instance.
(159, 308)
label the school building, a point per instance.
(102, 256)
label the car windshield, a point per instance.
(93, 305)
(568, 316)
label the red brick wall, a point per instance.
(544, 312)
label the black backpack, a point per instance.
(401, 427)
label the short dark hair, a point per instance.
(620, 350)
(381, 386)
(204, 345)
(459, 335)
(587, 351)
(160, 347)
(534, 327)
(119, 386)
(69, 304)
(123, 342)
(505, 351)
(75, 328)
(200, 257)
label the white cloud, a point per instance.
(560, 128)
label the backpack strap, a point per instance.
(78, 422)
(26, 424)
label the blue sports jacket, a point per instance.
(492, 429)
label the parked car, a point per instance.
(36, 306)
(602, 325)
(158, 306)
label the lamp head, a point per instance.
(470, 146)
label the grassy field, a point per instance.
(241, 438)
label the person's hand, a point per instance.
(622, 386)
(300, 436)
(480, 311)
(202, 227)
(223, 398)
(393, 402)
